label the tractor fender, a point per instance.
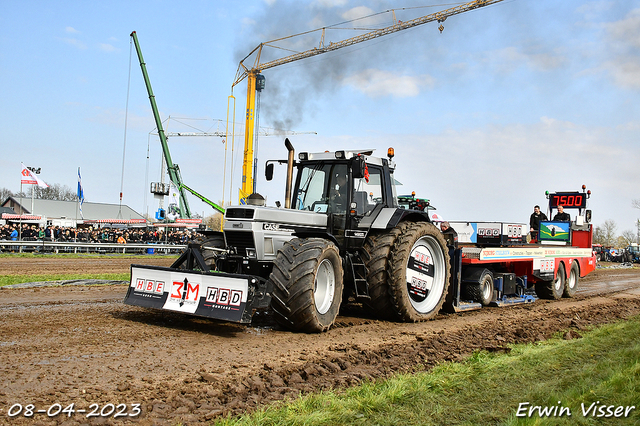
(389, 218)
(210, 233)
(318, 234)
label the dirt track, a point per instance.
(80, 344)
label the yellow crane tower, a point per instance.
(255, 81)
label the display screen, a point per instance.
(568, 200)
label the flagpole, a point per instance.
(75, 238)
(21, 211)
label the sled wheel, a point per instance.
(209, 255)
(552, 289)
(571, 285)
(307, 284)
(419, 272)
(376, 257)
(481, 292)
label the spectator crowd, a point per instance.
(11, 232)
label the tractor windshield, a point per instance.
(322, 188)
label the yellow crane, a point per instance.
(255, 81)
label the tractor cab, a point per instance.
(345, 185)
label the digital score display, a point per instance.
(569, 200)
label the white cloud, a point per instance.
(626, 31)
(624, 50)
(108, 47)
(498, 172)
(330, 3)
(510, 58)
(248, 22)
(75, 42)
(376, 83)
(625, 72)
(71, 30)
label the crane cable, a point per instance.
(126, 116)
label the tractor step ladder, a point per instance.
(359, 274)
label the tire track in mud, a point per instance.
(82, 345)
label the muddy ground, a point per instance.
(82, 345)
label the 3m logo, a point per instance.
(149, 286)
(185, 291)
(224, 296)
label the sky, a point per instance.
(509, 101)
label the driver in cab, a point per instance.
(339, 194)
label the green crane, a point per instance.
(173, 169)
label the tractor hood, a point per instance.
(276, 215)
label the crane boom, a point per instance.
(251, 74)
(173, 169)
(398, 26)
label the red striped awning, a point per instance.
(9, 216)
(180, 220)
(176, 225)
(116, 221)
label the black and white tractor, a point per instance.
(341, 236)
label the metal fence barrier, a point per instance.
(71, 247)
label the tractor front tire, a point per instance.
(419, 271)
(307, 280)
(209, 255)
(552, 289)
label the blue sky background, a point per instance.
(509, 101)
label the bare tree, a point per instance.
(4, 194)
(635, 203)
(628, 236)
(214, 221)
(53, 192)
(606, 233)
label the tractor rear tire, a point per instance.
(480, 292)
(571, 285)
(376, 259)
(307, 280)
(552, 289)
(419, 270)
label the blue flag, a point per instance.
(80, 193)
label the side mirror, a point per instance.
(268, 171)
(357, 168)
(587, 216)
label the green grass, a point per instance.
(17, 279)
(487, 388)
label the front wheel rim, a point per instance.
(325, 286)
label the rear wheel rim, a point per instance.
(325, 286)
(426, 274)
(486, 289)
(572, 279)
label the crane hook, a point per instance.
(441, 28)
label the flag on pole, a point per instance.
(80, 193)
(29, 177)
